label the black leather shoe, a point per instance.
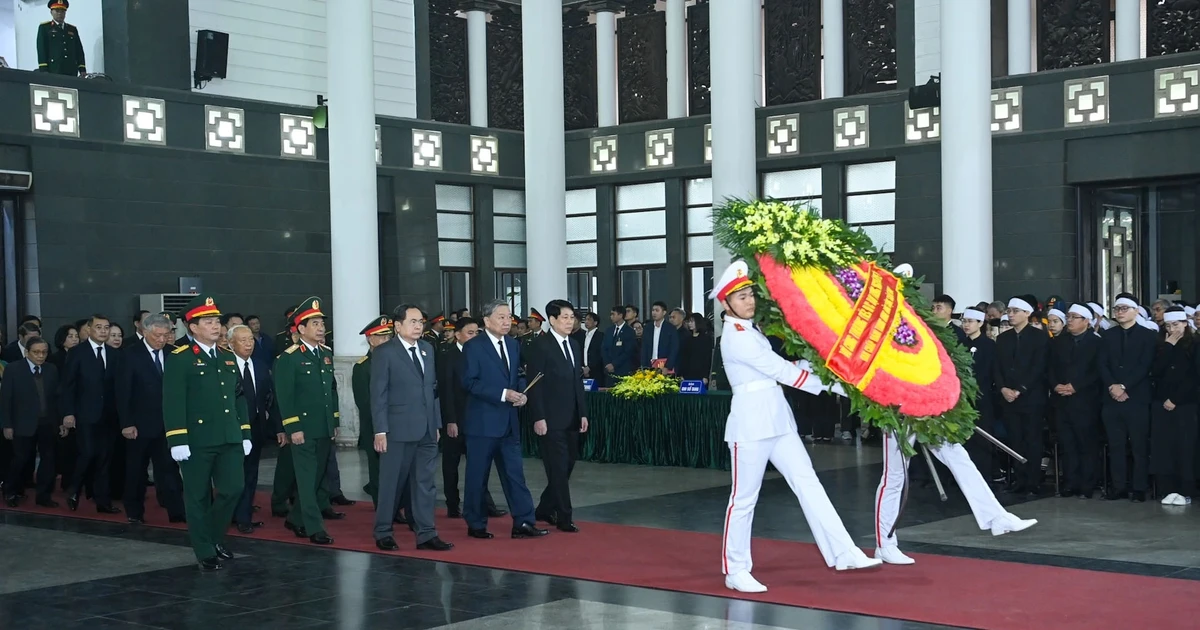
(387, 544)
(133, 520)
(1137, 496)
(108, 509)
(453, 512)
(321, 538)
(209, 565)
(341, 500)
(496, 512)
(73, 502)
(297, 530)
(570, 528)
(222, 552)
(547, 518)
(435, 544)
(245, 529)
(47, 503)
(330, 515)
(479, 533)
(526, 530)
(256, 524)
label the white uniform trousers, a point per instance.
(787, 453)
(979, 496)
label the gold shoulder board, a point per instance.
(179, 349)
(364, 359)
(291, 349)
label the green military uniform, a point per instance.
(308, 404)
(60, 50)
(283, 486)
(360, 385)
(208, 430)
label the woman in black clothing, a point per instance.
(1173, 410)
(65, 338)
(695, 349)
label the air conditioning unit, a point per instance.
(173, 303)
(16, 180)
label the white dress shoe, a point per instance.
(1182, 500)
(1010, 523)
(744, 582)
(855, 559)
(892, 555)
(1170, 499)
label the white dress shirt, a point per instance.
(103, 351)
(408, 346)
(559, 339)
(657, 329)
(155, 354)
(503, 356)
(207, 350)
(587, 342)
(241, 366)
(24, 353)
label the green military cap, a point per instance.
(307, 309)
(201, 306)
(381, 325)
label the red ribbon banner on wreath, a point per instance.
(869, 328)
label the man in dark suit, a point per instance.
(264, 348)
(1075, 394)
(591, 341)
(619, 350)
(138, 390)
(15, 351)
(30, 419)
(404, 410)
(491, 364)
(559, 411)
(453, 400)
(1126, 355)
(89, 406)
(660, 341)
(265, 427)
(1020, 379)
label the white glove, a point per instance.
(180, 453)
(246, 446)
(837, 389)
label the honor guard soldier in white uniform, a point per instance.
(761, 429)
(989, 514)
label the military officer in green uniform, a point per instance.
(284, 484)
(308, 405)
(378, 332)
(434, 334)
(208, 430)
(60, 50)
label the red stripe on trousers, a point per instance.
(729, 516)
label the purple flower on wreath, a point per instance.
(905, 335)
(850, 281)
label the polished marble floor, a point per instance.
(61, 573)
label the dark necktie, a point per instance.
(417, 362)
(158, 360)
(567, 353)
(503, 357)
(37, 381)
(248, 390)
(100, 356)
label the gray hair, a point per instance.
(156, 321)
(1163, 303)
(491, 306)
(233, 330)
(998, 305)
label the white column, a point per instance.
(354, 236)
(545, 155)
(966, 151)
(1020, 37)
(731, 37)
(606, 65)
(760, 86)
(834, 48)
(677, 52)
(1129, 30)
(477, 62)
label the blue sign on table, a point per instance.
(589, 384)
(693, 387)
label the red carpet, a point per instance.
(938, 589)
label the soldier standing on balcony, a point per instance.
(60, 50)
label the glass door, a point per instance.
(1119, 246)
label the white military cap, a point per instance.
(735, 278)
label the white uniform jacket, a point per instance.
(759, 410)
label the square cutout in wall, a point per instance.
(55, 110)
(660, 148)
(922, 125)
(1085, 101)
(603, 150)
(427, 149)
(297, 137)
(145, 119)
(485, 154)
(1007, 110)
(783, 134)
(852, 127)
(1177, 91)
(224, 129)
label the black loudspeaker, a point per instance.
(212, 54)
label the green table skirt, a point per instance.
(670, 430)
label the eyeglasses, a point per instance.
(1122, 309)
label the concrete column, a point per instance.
(677, 52)
(1020, 37)
(731, 52)
(477, 12)
(760, 86)
(966, 151)
(1129, 30)
(834, 48)
(606, 62)
(354, 235)
(545, 155)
